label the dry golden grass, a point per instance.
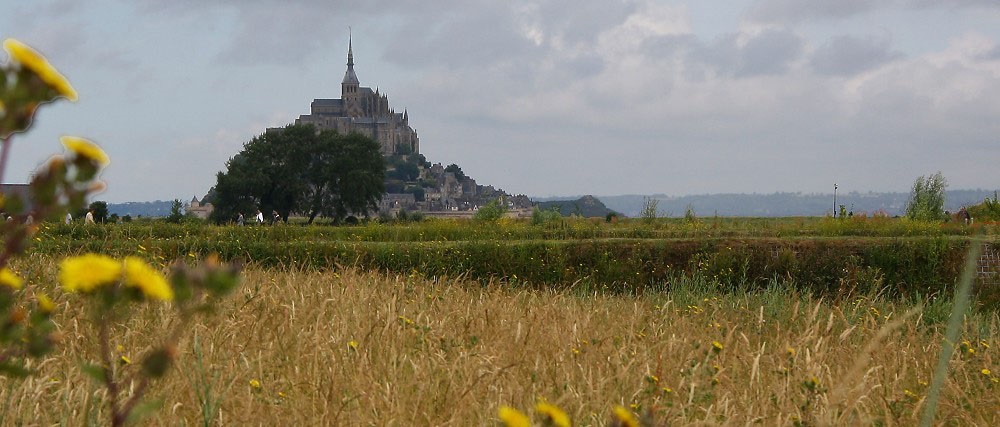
(360, 348)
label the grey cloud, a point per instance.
(992, 54)
(458, 41)
(581, 22)
(767, 53)
(792, 11)
(848, 55)
(803, 10)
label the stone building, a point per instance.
(198, 209)
(365, 111)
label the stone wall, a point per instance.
(989, 263)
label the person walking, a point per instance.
(89, 219)
(260, 217)
(239, 219)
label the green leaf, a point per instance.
(97, 372)
(143, 410)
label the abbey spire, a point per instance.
(350, 83)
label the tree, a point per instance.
(927, 198)
(453, 168)
(100, 211)
(491, 212)
(988, 210)
(299, 169)
(406, 172)
(175, 212)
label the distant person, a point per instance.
(239, 219)
(963, 216)
(275, 218)
(69, 218)
(89, 219)
(260, 217)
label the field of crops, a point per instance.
(720, 321)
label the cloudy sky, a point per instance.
(546, 98)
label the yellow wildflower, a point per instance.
(716, 346)
(790, 351)
(353, 345)
(553, 414)
(986, 372)
(512, 417)
(140, 275)
(125, 360)
(87, 272)
(625, 417)
(37, 63)
(254, 384)
(10, 280)
(45, 304)
(85, 148)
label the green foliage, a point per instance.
(649, 212)
(405, 172)
(546, 216)
(988, 210)
(453, 168)
(927, 198)
(689, 214)
(100, 209)
(175, 212)
(620, 256)
(297, 169)
(491, 212)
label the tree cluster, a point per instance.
(300, 170)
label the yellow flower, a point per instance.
(45, 304)
(986, 371)
(255, 384)
(625, 417)
(37, 63)
(140, 275)
(10, 280)
(353, 345)
(125, 360)
(85, 148)
(512, 417)
(716, 346)
(554, 414)
(87, 272)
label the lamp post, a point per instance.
(834, 200)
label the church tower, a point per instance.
(349, 87)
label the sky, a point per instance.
(547, 98)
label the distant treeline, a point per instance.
(144, 209)
(784, 204)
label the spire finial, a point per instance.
(350, 48)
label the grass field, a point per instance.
(302, 346)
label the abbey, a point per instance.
(362, 110)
